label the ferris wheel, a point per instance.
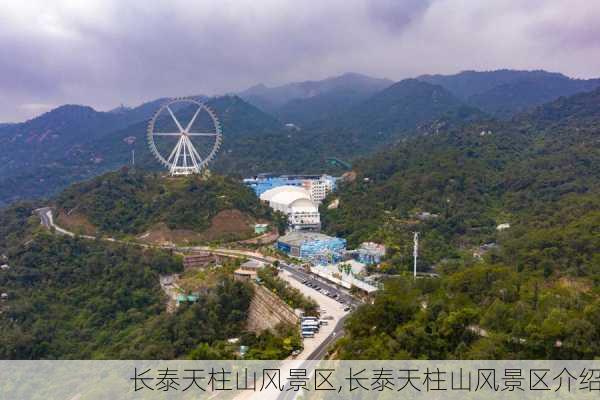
(188, 149)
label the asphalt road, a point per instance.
(45, 218)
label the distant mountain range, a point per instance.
(504, 93)
(343, 117)
(305, 102)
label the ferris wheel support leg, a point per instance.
(173, 151)
(191, 150)
(177, 156)
(195, 152)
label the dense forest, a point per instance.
(527, 291)
(72, 298)
(471, 179)
(129, 201)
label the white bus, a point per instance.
(311, 323)
(308, 334)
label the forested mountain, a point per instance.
(400, 109)
(305, 102)
(355, 118)
(504, 93)
(73, 143)
(538, 173)
(71, 298)
(253, 142)
(389, 116)
(133, 202)
(477, 175)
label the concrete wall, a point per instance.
(267, 311)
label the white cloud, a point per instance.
(106, 52)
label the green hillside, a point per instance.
(538, 173)
(71, 298)
(132, 201)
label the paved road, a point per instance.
(45, 214)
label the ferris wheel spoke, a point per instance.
(167, 133)
(175, 119)
(202, 134)
(195, 151)
(189, 125)
(177, 156)
(174, 151)
(192, 155)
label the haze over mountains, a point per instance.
(503, 93)
(346, 117)
(309, 101)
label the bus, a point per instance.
(308, 334)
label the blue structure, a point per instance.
(263, 182)
(312, 246)
(367, 258)
(369, 253)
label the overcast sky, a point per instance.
(106, 52)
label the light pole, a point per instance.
(415, 254)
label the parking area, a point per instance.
(331, 312)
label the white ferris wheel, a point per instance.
(184, 148)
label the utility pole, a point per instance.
(133, 157)
(415, 254)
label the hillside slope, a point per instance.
(476, 176)
(529, 291)
(188, 208)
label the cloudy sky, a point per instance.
(106, 52)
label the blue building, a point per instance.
(317, 185)
(312, 246)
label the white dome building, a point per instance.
(294, 202)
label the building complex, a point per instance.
(295, 202)
(318, 186)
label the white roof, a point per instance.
(286, 196)
(303, 205)
(288, 190)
